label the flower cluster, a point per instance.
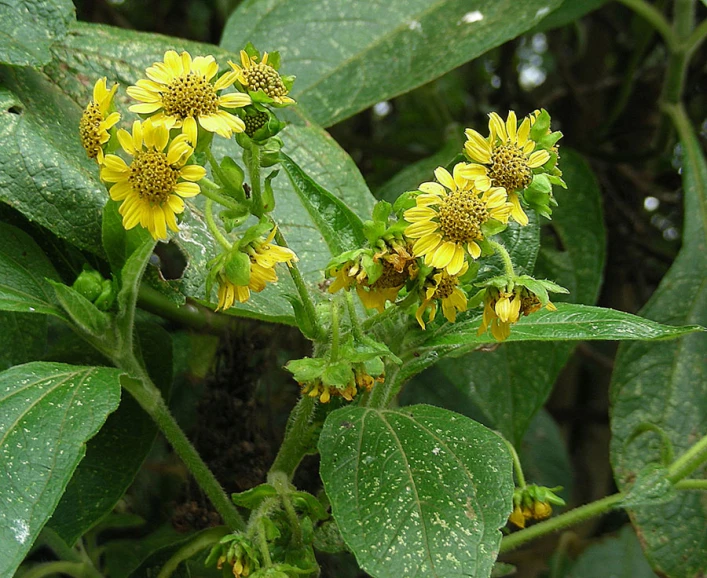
(429, 246)
(182, 102)
(533, 502)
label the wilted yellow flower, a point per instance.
(180, 92)
(509, 156)
(153, 186)
(503, 308)
(264, 255)
(443, 287)
(398, 267)
(96, 122)
(255, 76)
(448, 217)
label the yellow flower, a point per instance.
(362, 380)
(255, 76)
(94, 124)
(153, 186)
(180, 92)
(264, 255)
(503, 308)
(447, 219)
(445, 288)
(509, 156)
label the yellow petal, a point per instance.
(192, 172)
(442, 256)
(432, 189)
(512, 126)
(120, 190)
(190, 129)
(474, 249)
(115, 163)
(187, 189)
(186, 62)
(137, 135)
(175, 203)
(457, 262)
(443, 176)
(538, 159)
(174, 63)
(420, 228)
(523, 132)
(497, 128)
(517, 211)
(426, 244)
(159, 73)
(234, 100)
(227, 79)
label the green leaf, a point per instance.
(29, 27)
(24, 270)
(665, 385)
(130, 277)
(568, 12)
(651, 487)
(47, 413)
(350, 55)
(252, 498)
(44, 171)
(617, 556)
(23, 338)
(569, 323)
(417, 491)
(574, 251)
(116, 453)
(341, 228)
(82, 312)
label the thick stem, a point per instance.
(334, 350)
(201, 542)
(304, 295)
(255, 184)
(700, 485)
(689, 461)
(696, 38)
(189, 315)
(74, 569)
(282, 485)
(559, 522)
(505, 256)
(355, 323)
(140, 386)
(297, 438)
(656, 19)
(213, 227)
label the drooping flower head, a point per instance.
(179, 91)
(259, 76)
(504, 304)
(510, 156)
(444, 288)
(378, 275)
(262, 255)
(96, 122)
(448, 218)
(152, 187)
(533, 502)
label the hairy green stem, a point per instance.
(517, 468)
(215, 167)
(689, 461)
(302, 290)
(74, 569)
(683, 466)
(140, 386)
(355, 323)
(696, 38)
(297, 438)
(212, 191)
(56, 544)
(213, 227)
(255, 184)
(559, 522)
(505, 256)
(201, 542)
(655, 18)
(282, 486)
(700, 485)
(190, 315)
(334, 350)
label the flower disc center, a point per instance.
(461, 215)
(89, 129)
(152, 177)
(509, 168)
(446, 286)
(189, 95)
(264, 77)
(391, 277)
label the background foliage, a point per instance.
(395, 84)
